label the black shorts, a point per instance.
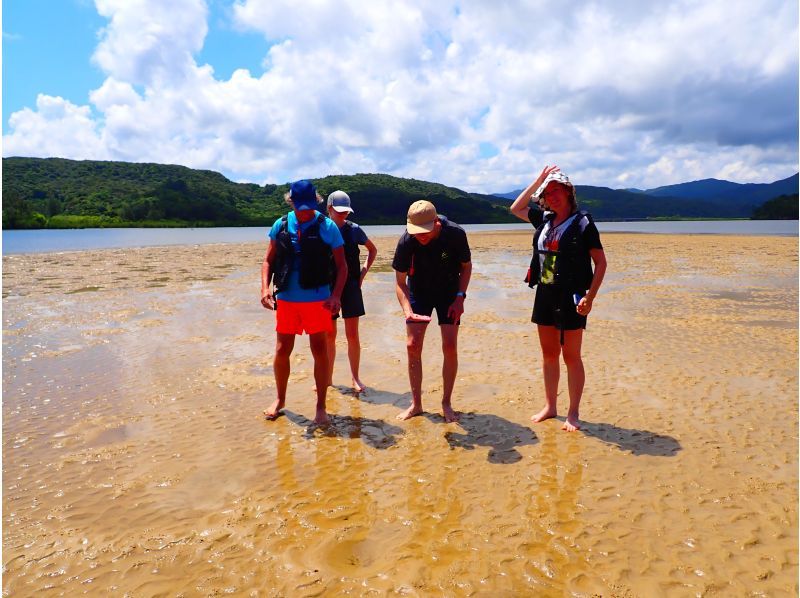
(424, 306)
(352, 300)
(556, 307)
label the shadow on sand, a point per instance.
(485, 429)
(373, 432)
(375, 396)
(637, 442)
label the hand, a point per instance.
(545, 171)
(332, 303)
(363, 274)
(412, 317)
(268, 300)
(456, 309)
(584, 306)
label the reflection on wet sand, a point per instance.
(135, 459)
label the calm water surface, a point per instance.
(38, 241)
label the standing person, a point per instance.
(339, 210)
(432, 266)
(298, 259)
(565, 245)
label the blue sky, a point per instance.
(48, 44)
(467, 93)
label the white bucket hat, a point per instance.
(558, 177)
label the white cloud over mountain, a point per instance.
(472, 94)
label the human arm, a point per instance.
(404, 297)
(372, 252)
(520, 206)
(267, 298)
(599, 258)
(457, 307)
(334, 301)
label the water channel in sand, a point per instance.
(135, 459)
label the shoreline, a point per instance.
(379, 236)
(28, 242)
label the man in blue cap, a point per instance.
(298, 263)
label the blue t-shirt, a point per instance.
(329, 233)
(359, 236)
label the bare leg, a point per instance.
(449, 369)
(319, 350)
(354, 351)
(331, 345)
(575, 377)
(415, 335)
(284, 345)
(549, 339)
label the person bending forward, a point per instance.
(432, 266)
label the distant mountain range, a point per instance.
(710, 198)
(60, 193)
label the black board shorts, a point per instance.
(554, 306)
(424, 306)
(352, 300)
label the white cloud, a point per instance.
(618, 94)
(57, 128)
(150, 42)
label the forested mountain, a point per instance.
(60, 193)
(784, 207)
(714, 189)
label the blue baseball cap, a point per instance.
(303, 195)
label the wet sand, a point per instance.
(136, 459)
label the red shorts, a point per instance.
(296, 318)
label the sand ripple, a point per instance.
(135, 460)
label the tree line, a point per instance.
(60, 193)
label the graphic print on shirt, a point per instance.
(551, 237)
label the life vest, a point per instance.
(315, 256)
(573, 265)
(352, 254)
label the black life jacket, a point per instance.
(352, 254)
(573, 271)
(315, 256)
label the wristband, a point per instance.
(461, 294)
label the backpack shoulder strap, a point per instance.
(538, 232)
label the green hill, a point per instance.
(60, 193)
(785, 207)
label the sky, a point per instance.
(473, 94)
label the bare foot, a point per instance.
(322, 418)
(572, 423)
(410, 412)
(544, 414)
(449, 415)
(274, 411)
(358, 385)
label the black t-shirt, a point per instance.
(433, 269)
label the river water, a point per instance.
(37, 241)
